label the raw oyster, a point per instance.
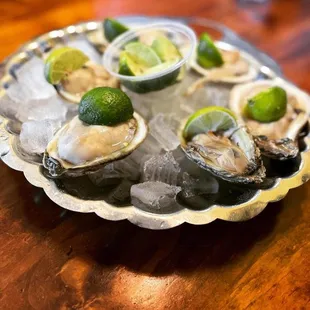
(237, 68)
(77, 83)
(231, 155)
(78, 148)
(278, 139)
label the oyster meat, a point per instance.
(78, 148)
(231, 155)
(78, 82)
(278, 139)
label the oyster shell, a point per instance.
(97, 39)
(231, 155)
(80, 81)
(78, 148)
(277, 140)
(237, 68)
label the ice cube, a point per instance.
(163, 128)
(168, 104)
(155, 195)
(162, 168)
(8, 107)
(31, 83)
(165, 101)
(209, 94)
(51, 108)
(217, 94)
(137, 156)
(121, 193)
(179, 155)
(128, 168)
(35, 135)
(104, 176)
(140, 105)
(194, 186)
(150, 146)
(73, 110)
(87, 48)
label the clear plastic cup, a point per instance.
(182, 36)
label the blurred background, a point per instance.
(279, 27)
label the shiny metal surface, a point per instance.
(11, 155)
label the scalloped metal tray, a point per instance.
(11, 154)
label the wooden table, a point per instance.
(51, 258)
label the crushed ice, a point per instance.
(163, 168)
(163, 128)
(157, 195)
(35, 135)
(156, 164)
(31, 97)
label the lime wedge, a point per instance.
(142, 54)
(212, 118)
(208, 56)
(267, 106)
(168, 52)
(112, 29)
(105, 106)
(128, 66)
(165, 49)
(61, 62)
(137, 59)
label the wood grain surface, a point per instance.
(51, 258)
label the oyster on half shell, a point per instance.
(237, 68)
(231, 155)
(78, 148)
(90, 76)
(278, 139)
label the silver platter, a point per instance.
(13, 156)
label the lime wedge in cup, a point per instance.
(168, 52)
(165, 49)
(267, 106)
(142, 54)
(112, 29)
(105, 106)
(128, 66)
(208, 56)
(211, 118)
(63, 61)
(160, 67)
(139, 59)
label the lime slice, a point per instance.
(209, 119)
(208, 56)
(112, 28)
(165, 49)
(267, 106)
(61, 62)
(142, 54)
(105, 106)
